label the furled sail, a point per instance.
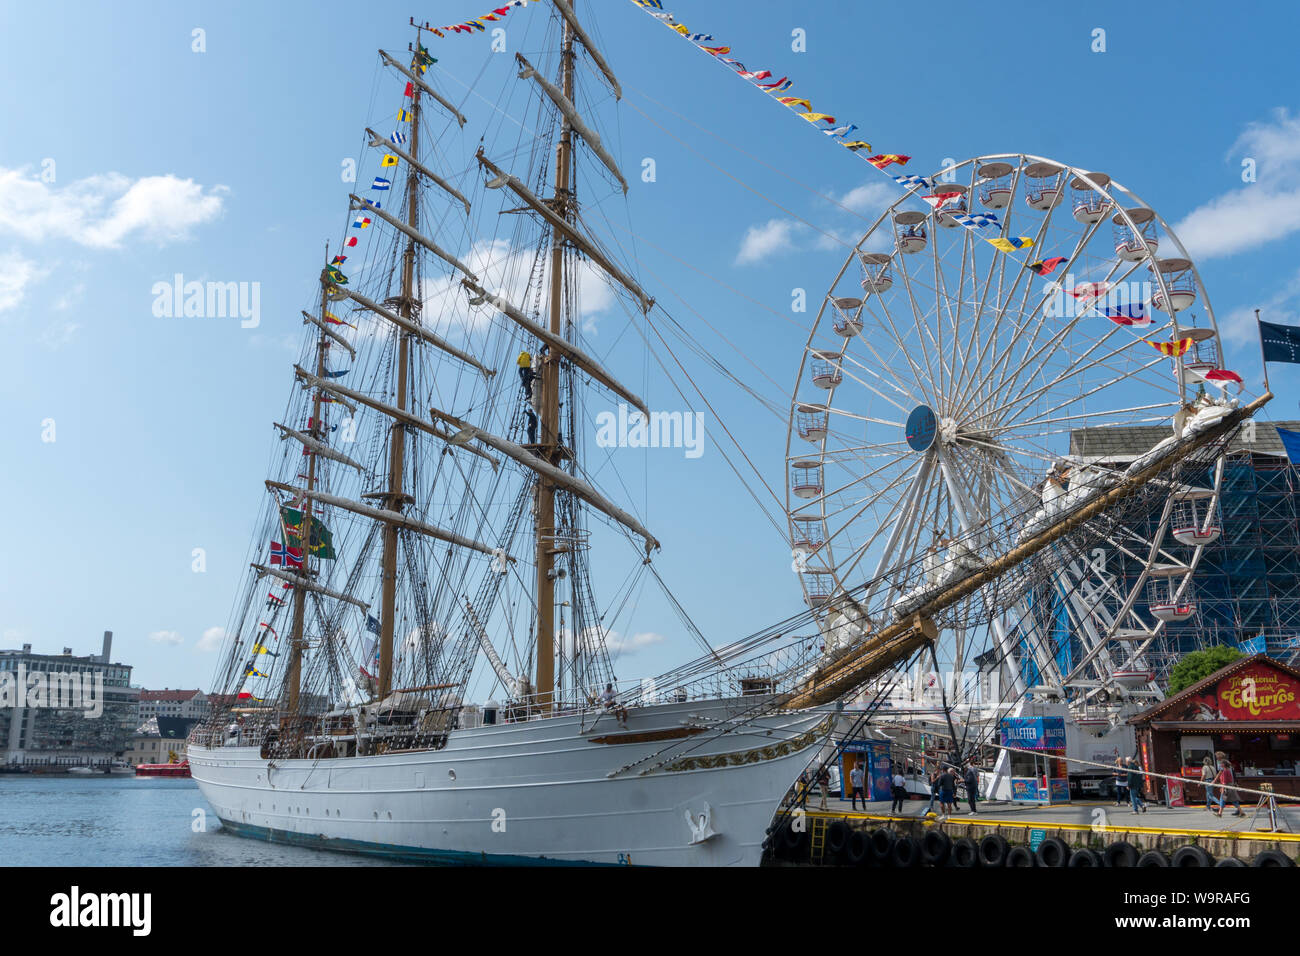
(571, 19)
(307, 584)
(318, 447)
(418, 331)
(425, 87)
(385, 515)
(570, 112)
(585, 245)
(392, 411)
(561, 345)
(556, 475)
(390, 146)
(437, 250)
(307, 317)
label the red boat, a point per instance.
(181, 769)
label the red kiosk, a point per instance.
(1249, 710)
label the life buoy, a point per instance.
(993, 850)
(1191, 855)
(1053, 852)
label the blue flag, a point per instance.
(1281, 342)
(1291, 442)
(372, 624)
(381, 183)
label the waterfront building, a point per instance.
(64, 710)
(187, 704)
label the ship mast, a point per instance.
(296, 641)
(550, 448)
(396, 498)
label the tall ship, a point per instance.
(427, 524)
(417, 664)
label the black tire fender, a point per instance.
(993, 850)
(1053, 852)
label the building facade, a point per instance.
(187, 704)
(64, 710)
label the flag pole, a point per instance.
(1260, 332)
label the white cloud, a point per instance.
(763, 240)
(618, 644)
(211, 639)
(871, 198)
(1257, 212)
(166, 637)
(504, 271)
(1238, 327)
(17, 275)
(58, 334)
(102, 211)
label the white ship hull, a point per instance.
(565, 789)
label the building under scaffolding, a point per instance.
(1247, 585)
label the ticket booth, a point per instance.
(873, 756)
(1037, 760)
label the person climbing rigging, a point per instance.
(525, 363)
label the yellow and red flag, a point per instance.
(1173, 349)
(883, 160)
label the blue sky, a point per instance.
(224, 165)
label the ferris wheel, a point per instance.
(1004, 338)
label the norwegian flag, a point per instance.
(289, 557)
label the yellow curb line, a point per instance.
(1084, 827)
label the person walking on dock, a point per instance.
(1208, 773)
(856, 779)
(934, 791)
(824, 784)
(900, 791)
(947, 786)
(1134, 783)
(1121, 782)
(1227, 787)
(972, 780)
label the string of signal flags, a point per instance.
(1089, 295)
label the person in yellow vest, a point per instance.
(525, 363)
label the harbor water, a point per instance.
(130, 821)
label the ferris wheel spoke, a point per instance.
(1037, 318)
(875, 391)
(1076, 368)
(1086, 312)
(922, 330)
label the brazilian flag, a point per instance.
(320, 542)
(337, 277)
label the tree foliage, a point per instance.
(1199, 665)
